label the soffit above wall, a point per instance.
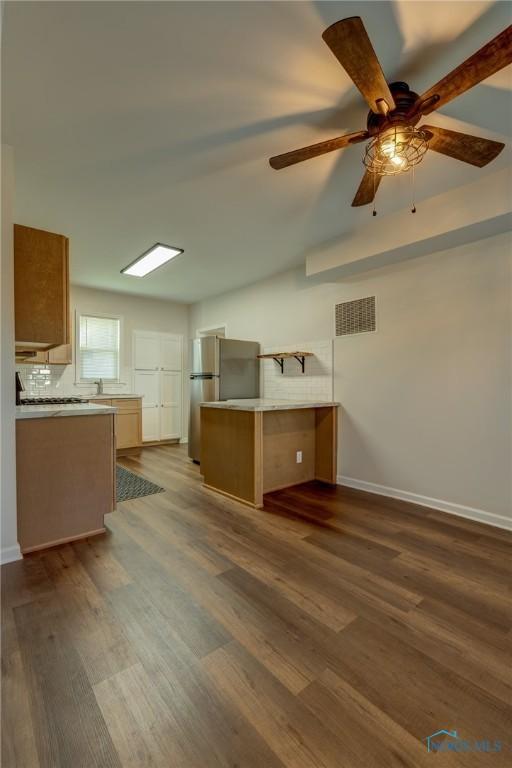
(469, 213)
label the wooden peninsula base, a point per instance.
(65, 475)
(249, 448)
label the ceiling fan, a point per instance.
(395, 143)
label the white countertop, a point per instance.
(110, 396)
(261, 404)
(68, 409)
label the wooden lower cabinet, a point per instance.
(128, 428)
(128, 423)
(65, 478)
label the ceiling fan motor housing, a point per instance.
(403, 114)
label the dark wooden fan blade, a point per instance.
(314, 150)
(349, 42)
(484, 63)
(367, 189)
(462, 146)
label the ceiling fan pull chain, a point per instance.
(413, 209)
(374, 212)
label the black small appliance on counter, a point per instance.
(19, 388)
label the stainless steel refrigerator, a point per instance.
(222, 369)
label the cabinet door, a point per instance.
(128, 423)
(127, 429)
(55, 356)
(147, 384)
(170, 416)
(146, 351)
(41, 287)
(39, 358)
(170, 353)
(60, 355)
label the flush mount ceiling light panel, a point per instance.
(395, 144)
(158, 255)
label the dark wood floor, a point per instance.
(334, 629)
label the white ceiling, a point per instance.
(138, 122)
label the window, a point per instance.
(98, 348)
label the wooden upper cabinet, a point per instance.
(41, 288)
(60, 355)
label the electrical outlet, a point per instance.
(299, 457)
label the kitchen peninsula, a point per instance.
(65, 472)
(252, 447)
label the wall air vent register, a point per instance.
(356, 316)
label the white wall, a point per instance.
(427, 398)
(137, 313)
(9, 540)
(316, 385)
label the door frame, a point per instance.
(210, 330)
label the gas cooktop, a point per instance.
(50, 400)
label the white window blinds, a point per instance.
(98, 352)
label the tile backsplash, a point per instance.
(40, 379)
(315, 384)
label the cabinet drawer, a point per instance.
(127, 405)
(101, 402)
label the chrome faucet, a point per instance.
(99, 387)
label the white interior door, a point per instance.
(147, 384)
(146, 351)
(170, 410)
(171, 353)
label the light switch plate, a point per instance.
(299, 457)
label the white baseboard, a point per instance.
(10, 554)
(183, 440)
(480, 515)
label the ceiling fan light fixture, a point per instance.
(395, 145)
(396, 150)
